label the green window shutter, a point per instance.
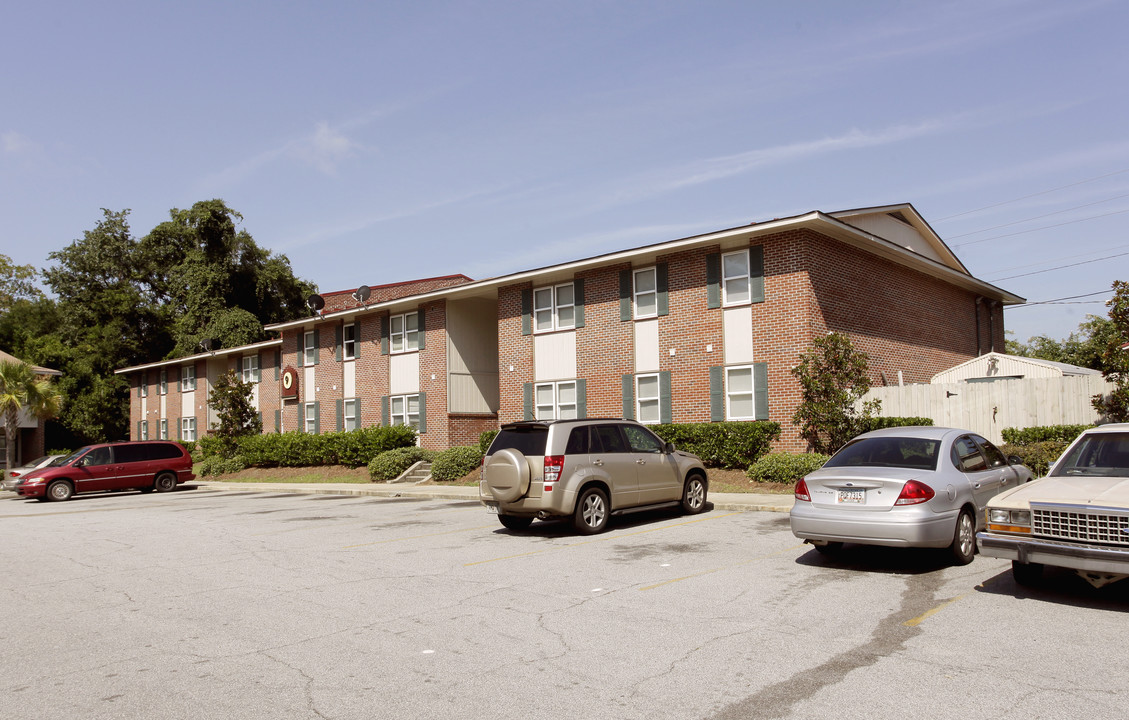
(625, 295)
(337, 339)
(357, 409)
(760, 390)
(384, 331)
(317, 346)
(301, 417)
(278, 420)
(664, 397)
(628, 397)
(277, 364)
(578, 298)
(581, 398)
(713, 280)
(301, 349)
(526, 311)
(340, 414)
(422, 413)
(179, 429)
(385, 416)
(756, 273)
(421, 320)
(661, 285)
(317, 417)
(262, 425)
(527, 401)
(717, 393)
(357, 349)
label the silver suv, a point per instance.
(587, 470)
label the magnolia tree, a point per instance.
(231, 398)
(22, 389)
(1115, 405)
(833, 379)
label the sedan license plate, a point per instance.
(492, 509)
(855, 496)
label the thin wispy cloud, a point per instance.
(14, 143)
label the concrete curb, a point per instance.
(741, 502)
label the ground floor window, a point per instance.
(143, 430)
(310, 421)
(188, 429)
(647, 410)
(405, 410)
(739, 393)
(163, 429)
(349, 414)
(555, 400)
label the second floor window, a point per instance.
(187, 379)
(143, 387)
(404, 332)
(735, 278)
(309, 348)
(251, 369)
(646, 294)
(163, 385)
(349, 342)
(554, 308)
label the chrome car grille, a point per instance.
(1094, 525)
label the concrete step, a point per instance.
(418, 473)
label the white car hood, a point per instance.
(1110, 492)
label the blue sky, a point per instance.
(375, 142)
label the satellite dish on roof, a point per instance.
(362, 294)
(316, 302)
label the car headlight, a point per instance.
(31, 481)
(1015, 521)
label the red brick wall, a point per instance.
(514, 350)
(465, 429)
(605, 346)
(433, 361)
(344, 300)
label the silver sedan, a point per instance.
(905, 487)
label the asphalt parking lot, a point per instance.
(260, 604)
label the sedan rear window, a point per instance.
(899, 452)
(529, 440)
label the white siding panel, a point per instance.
(647, 346)
(309, 384)
(349, 379)
(554, 356)
(188, 402)
(403, 374)
(738, 343)
(472, 356)
(895, 231)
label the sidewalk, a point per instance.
(768, 502)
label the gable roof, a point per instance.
(1003, 365)
(37, 369)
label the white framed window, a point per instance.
(403, 331)
(405, 410)
(647, 409)
(735, 287)
(163, 429)
(349, 415)
(188, 429)
(349, 342)
(163, 384)
(739, 393)
(555, 400)
(554, 308)
(311, 418)
(144, 434)
(143, 387)
(188, 378)
(646, 293)
(251, 368)
(309, 348)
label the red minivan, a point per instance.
(143, 465)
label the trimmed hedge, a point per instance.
(485, 439)
(722, 444)
(216, 465)
(454, 463)
(877, 423)
(1038, 455)
(391, 464)
(1045, 433)
(785, 467)
(296, 449)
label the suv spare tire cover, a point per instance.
(507, 475)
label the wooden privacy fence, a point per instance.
(989, 407)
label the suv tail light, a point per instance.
(801, 491)
(914, 493)
(553, 466)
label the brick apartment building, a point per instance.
(699, 329)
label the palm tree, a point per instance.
(20, 389)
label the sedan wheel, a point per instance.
(592, 511)
(963, 548)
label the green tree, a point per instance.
(1115, 406)
(231, 398)
(22, 389)
(16, 283)
(833, 379)
(1085, 348)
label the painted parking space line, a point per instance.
(931, 612)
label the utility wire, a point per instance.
(1038, 217)
(1044, 227)
(1060, 267)
(1058, 300)
(1025, 197)
(1044, 262)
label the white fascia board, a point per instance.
(241, 350)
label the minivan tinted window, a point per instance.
(526, 439)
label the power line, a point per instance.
(1038, 217)
(1044, 262)
(1060, 267)
(1059, 300)
(1045, 227)
(1025, 197)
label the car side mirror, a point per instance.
(668, 448)
(1014, 460)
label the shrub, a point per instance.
(485, 439)
(877, 423)
(217, 465)
(785, 467)
(353, 448)
(1038, 455)
(1027, 436)
(391, 464)
(454, 463)
(722, 444)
